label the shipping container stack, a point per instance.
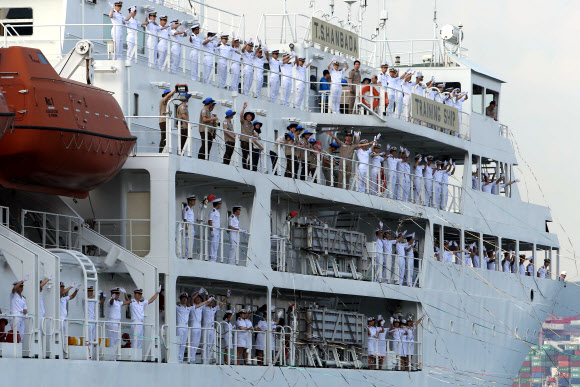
(555, 362)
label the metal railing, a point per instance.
(132, 234)
(16, 338)
(51, 230)
(394, 269)
(394, 355)
(278, 250)
(504, 131)
(198, 241)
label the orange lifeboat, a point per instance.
(67, 137)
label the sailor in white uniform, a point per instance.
(214, 223)
(195, 319)
(522, 266)
(300, 70)
(396, 333)
(208, 47)
(64, 300)
(418, 171)
(235, 66)
(274, 77)
(182, 314)
(428, 181)
(395, 91)
(227, 335)
(137, 307)
(363, 156)
(195, 41)
(248, 60)
(401, 251)
(410, 259)
(336, 75)
(407, 85)
(261, 328)
(152, 29)
(244, 326)
(437, 181)
(234, 227)
(409, 343)
(381, 340)
(91, 304)
(132, 28)
(259, 70)
(383, 76)
(286, 70)
(544, 271)
(18, 305)
(41, 310)
(175, 37)
(377, 163)
(189, 217)
(392, 163)
(117, 20)
(208, 312)
(163, 45)
(404, 177)
(372, 334)
(380, 258)
(113, 325)
(224, 53)
(419, 88)
(449, 170)
(388, 257)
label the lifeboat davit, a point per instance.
(67, 137)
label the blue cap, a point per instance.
(291, 135)
(230, 113)
(306, 132)
(299, 127)
(334, 144)
(208, 100)
(186, 95)
(166, 91)
(312, 140)
(257, 122)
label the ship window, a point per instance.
(135, 104)
(477, 99)
(16, 21)
(42, 58)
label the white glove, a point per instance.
(73, 285)
(310, 61)
(378, 136)
(78, 287)
(356, 134)
(445, 163)
(50, 277)
(280, 313)
(211, 298)
(159, 289)
(101, 293)
(433, 79)
(502, 176)
(122, 290)
(381, 225)
(454, 164)
(517, 180)
(26, 277)
(380, 317)
(201, 291)
(259, 42)
(228, 293)
(112, 5)
(392, 319)
(265, 48)
(382, 323)
(401, 149)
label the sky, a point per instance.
(533, 46)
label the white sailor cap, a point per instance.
(418, 156)
(192, 196)
(384, 64)
(229, 311)
(404, 321)
(430, 157)
(194, 26)
(563, 273)
(273, 309)
(139, 291)
(164, 17)
(371, 319)
(217, 200)
(15, 282)
(184, 294)
(211, 33)
(115, 290)
(176, 21)
(419, 74)
(411, 235)
(237, 206)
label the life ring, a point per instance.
(365, 91)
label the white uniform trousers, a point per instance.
(248, 79)
(208, 339)
(161, 53)
(92, 332)
(235, 71)
(407, 107)
(234, 240)
(402, 260)
(132, 46)
(117, 35)
(417, 190)
(182, 334)
(300, 92)
(428, 192)
(187, 242)
(392, 99)
(388, 267)
(335, 96)
(152, 50)
(62, 327)
(214, 244)
(207, 67)
(274, 87)
(194, 341)
(379, 266)
(400, 104)
(137, 333)
(113, 333)
(362, 177)
(259, 82)
(286, 90)
(175, 57)
(410, 266)
(437, 195)
(444, 196)
(404, 187)
(375, 180)
(19, 324)
(391, 183)
(222, 69)
(194, 59)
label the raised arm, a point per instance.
(75, 292)
(152, 299)
(332, 135)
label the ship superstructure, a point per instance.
(306, 244)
